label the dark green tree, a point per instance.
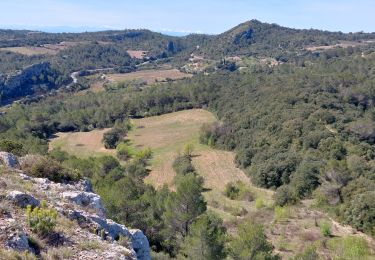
(250, 243)
(206, 239)
(183, 207)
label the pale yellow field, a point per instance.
(30, 50)
(149, 76)
(81, 144)
(47, 49)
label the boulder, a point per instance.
(9, 160)
(18, 241)
(22, 199)
(85, 199)
(139, 241)
(140, 244)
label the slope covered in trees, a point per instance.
(305, 128)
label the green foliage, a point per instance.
(309, 253)
(350, 247)
(112, 137)
(282, 213)
(188, 150)
(206, 238)
(45, 167)
(285, 195)
(182, 165)
(238, 191)
(184, 205)
(250, 243)
(259, 203)
(325, 229)
(11, 147)
(124, 152)
(360, 212)
(41, 220)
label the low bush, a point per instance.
(325, 229)
(285, 195)
(124, 152)
(238, 191)
(282, 213)
(259, 203)
(182, 165)
(45, 167)
(11, 147)
(41, 220)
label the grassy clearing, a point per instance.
(149, 76)
(166, 135)
(82, 144)
(46, 49)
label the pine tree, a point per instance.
(206, 239)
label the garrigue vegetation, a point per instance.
(301, 130)
(305, 128)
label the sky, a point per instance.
(183, 17)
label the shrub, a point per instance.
(250, 243)
(11, 147)
(124, 152)
(143, 156)
(113, 137)
(45, 167)
(282, 213)
(231, 191)
(360, 212)
(238, 191)
(182, 165)
(285, 195)
(41, 220)
(259, 203)
(325, 229)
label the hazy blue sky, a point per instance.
(207, 16)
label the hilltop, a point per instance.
(133, 50)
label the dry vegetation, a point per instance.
(149, 76)
(46, 49)
(343, 44)
(81, 144)
(290, 229)
(137, 54)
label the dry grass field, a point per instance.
(149, 76)
(46, 49)
(30, 50)
(137, 54)
(81, 144)
(342, 44)
(167, 134)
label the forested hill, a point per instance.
(56, 56)
(257, 38)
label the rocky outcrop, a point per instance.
(8, 160)
(85, 199)
(22, 199)
(21, 83)
(77, 204)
